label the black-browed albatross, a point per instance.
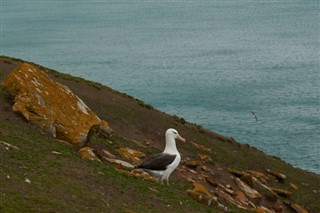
(164, 163)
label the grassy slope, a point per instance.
(66, 183)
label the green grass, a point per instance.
(67, 183)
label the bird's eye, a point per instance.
(175, 132)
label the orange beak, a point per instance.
(181, 139)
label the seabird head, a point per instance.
(172, 133)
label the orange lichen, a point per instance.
(49, 105)
(131, 154)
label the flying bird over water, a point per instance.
(164, 163)
(254, 115)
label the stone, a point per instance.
(141, 174)
(281, 192)
(242, 198)
(247, 189)
(148, 142)
(49, 105)
(56, 153)
(154, 190)
(201, 147)
(191, 171)
(8, 145)
(236, 172)
(279, 176)
(232, 200)
(190, 180)
(87, 153)
(129, 211)
(262, 209)
(212, 182)
(108, 154)
(119, 162)
(203, 157)
(225, 189)
(202, 195)
(198, 187)
(105, 129)
(262, 188)
(259, 175)
(204, 168)
(193, 163)
(27, 180)
(294, 186)
(131, 154)
(298, 208)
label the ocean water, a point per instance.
(210, 62)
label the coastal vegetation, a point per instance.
(41, 174)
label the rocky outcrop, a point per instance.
(219, 187)
(51, 106)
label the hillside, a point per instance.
(39, 174)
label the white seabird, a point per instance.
(164, 163)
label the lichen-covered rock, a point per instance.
(141, 174)
(131, 154)
(201, 147)
(87, 153)
(298, 209)
(261, 209)
(198, 187)
(203, 157)
(281, 192)
(193, 163)
(247, 189)
(201, 194)
(278, 175)
(51, 106)
(259, 186)
(120, 162)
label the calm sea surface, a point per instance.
(211, 62)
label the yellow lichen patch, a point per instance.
(241, 198)
(131, 154)
(49, 105)
(141, 174)
(198, 187)
(203, 157)
(87, 153)
(202, 195)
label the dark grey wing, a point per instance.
(157, 162)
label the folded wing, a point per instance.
(158, 161)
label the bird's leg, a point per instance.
(161, 180)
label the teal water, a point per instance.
(211, 62)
